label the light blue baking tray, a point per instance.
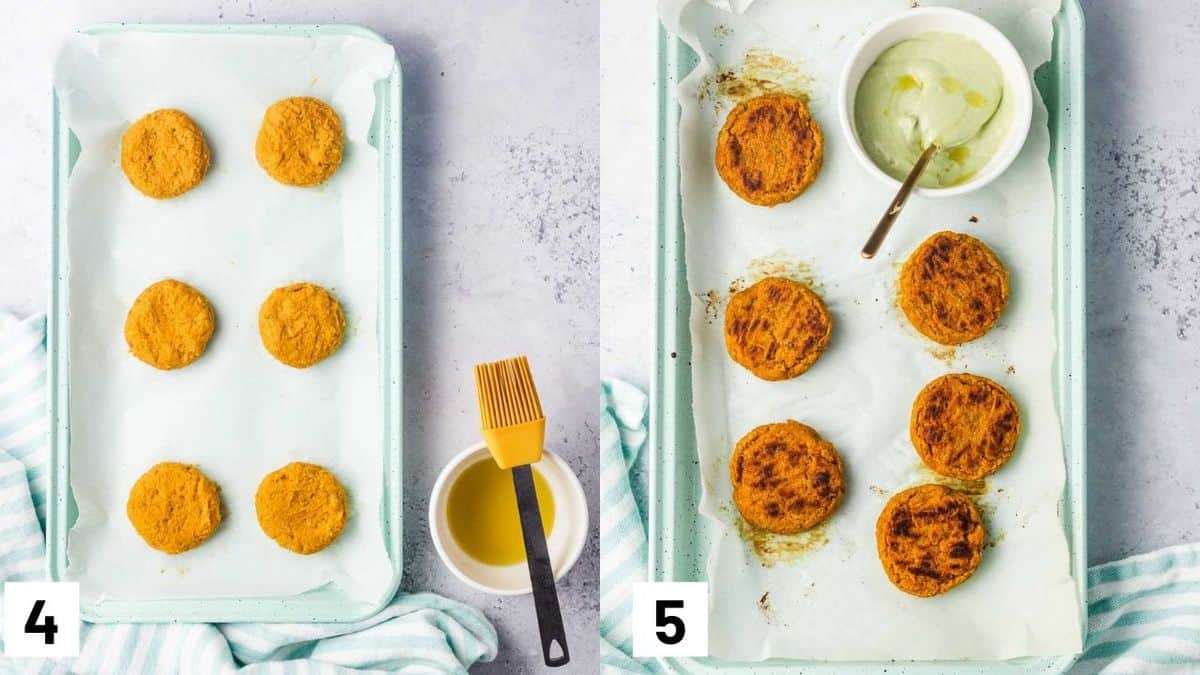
(680, 537)
(325, 604)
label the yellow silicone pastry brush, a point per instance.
(515, 430)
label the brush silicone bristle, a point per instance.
(510, 413)
(507, 395)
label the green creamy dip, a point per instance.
(935, 88)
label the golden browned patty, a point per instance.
(964, 426)
(786, 478)
(164, 154)
(302, 507)
(953, 288)
(777, 328)
(930, 539)
(174, 507)
(169, 325)
(770, 149)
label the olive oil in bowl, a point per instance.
(481, 512)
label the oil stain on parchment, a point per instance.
(995, 539)
(713, 302)
(946, 355)
(761, 71)
(975, 488)
(987, 512)
(772, 549)
(764, 606)
(778, 264)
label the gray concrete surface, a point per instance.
(501, 212)
(1144, 276)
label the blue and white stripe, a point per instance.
(1143, 612)
(417, 634)
(622, 526)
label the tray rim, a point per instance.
(670, 370)
(322, 605)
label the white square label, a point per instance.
(670, 619)
(41, 619)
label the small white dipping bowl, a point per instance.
(565, 542)
(911, 23)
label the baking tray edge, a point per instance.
(672, 441)
(320, 605)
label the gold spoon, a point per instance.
(889, 217)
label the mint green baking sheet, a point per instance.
(325, 604)
(680, 537)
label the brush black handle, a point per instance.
(541, 574)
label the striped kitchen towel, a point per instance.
(622, 523)
(1143, 612)
(417, 633)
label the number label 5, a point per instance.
(670, 619)
(679, 629)
(41, 619)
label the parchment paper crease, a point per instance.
(825, 596)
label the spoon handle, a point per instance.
(889, 217)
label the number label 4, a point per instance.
(41, 619)
(47, 627)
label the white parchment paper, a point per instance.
(236, 412)
(825, 595)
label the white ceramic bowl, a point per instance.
(911, 23)
(565, 542)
